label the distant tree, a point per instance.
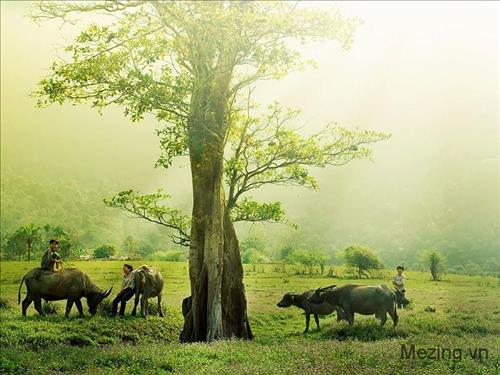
(252, 242)
(24, 240)
(305, 258)
(252, 250)
(104, 251)
(322, 260)
(14, 247)
(286, 254)
(145, 250)
(362, 258)
(130, 246)
(308, 259)
(254, 256)
(434, 261)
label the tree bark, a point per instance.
(234, 302)
(218, 302)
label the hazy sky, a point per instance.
(427, 72)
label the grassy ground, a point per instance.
(467, 316)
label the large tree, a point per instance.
(187, 63)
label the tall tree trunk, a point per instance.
(218, 302)
(206, 253)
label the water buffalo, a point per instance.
(302, 302)
(70, 284)
(366, 300)
(148, 284)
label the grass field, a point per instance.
(466, 317)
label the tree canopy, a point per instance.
(146, 61)
(187, 63)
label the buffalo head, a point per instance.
(286, 301)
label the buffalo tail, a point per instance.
(19, 290)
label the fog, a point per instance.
(425, 72)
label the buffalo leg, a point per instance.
(79, 306)
(308, 318)
(316, 318)
(350, 316)
(144, 302)
(394, 316)
(38, 305)
(26, 302)
(383, 318)
(136, 302)
(160, 310)
(69, 305)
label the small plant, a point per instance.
(4, 303)
(153, 309)
(105, 308)
(50, 308)
(80, 340)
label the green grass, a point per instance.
(467, 315)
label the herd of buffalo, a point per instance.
(346, 300)
(72, 285)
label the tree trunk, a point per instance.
(29, 251)
(234, 302)
(434, 274)
(218, 302)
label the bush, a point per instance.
(4, 303)
(104, 251)
(105, 307)
(153, 308)
(80, 340)
(50, 308)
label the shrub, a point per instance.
(153, 308)
(80, 340)
(50, 308)
(4, 303)
(105, 307)
(104, 251)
